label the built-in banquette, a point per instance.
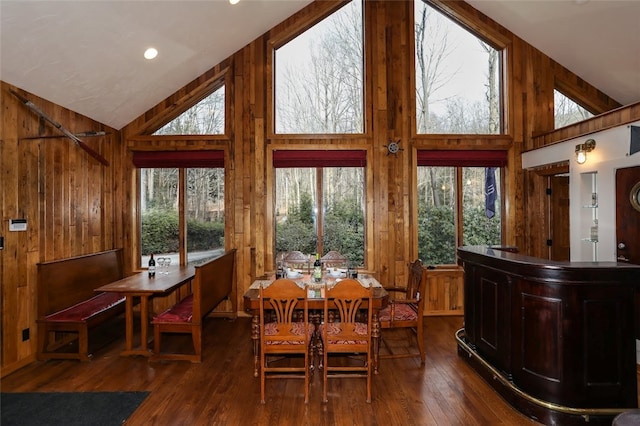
(556, 339)
(68, 304)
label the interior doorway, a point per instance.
(559, 235)
(628, 222)
(628, 214)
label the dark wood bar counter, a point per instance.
(556, 339)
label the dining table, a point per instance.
(316, 303)
(144, 287)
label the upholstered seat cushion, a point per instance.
(180, 312)
(401, 312)
(334, 328)
(88, 308)
(297, 328)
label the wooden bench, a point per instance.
(213, 282)
(67, 303)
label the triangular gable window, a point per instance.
(207, 117)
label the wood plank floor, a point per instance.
(223, 391)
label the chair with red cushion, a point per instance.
(406, 313)
(285, 331)
(348, 335)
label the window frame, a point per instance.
(270, 240)
(489, 35)
(491, 160)
(288, 34)
(218, 84)
(558, 89)
(182, 194)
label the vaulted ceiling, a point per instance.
(87, 55)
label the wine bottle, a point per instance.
(152, 267)
(317, 269)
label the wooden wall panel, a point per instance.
(67, 197)
(76, 206)
(445, 292)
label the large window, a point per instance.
(166, 191)
(319, 77)
(566, 111)
(457, 77)
(457, 204)
(320, 202)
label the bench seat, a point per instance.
(68, 306)
(213, 282)
(180, 312)
(83, 311)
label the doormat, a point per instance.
(68, 408)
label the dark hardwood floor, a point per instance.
(223, 391)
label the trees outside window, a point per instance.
(205, 118)
(319, 77)
(318, 209)
(203, 222)
(566, 111)
(457, 77)
(446, 194)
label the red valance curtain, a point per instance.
(180, 159)
(479, 158)
(319, 158)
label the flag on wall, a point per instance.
(490, 192)
(635, 140)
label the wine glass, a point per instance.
(160, 262)
(167, 262)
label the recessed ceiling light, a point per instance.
(150, 53)
(234, 1)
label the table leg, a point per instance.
(144, 326)
(128, 323)
(144, 323)
(255, 336)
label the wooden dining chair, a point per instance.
(406, 313)
(333, 259)
(297, 260)
(347, 336)
(283, 332)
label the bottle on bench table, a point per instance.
(152, 267)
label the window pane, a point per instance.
(204, 118)
(205, 214)
(478, 229)
(159, 214)
(566, 111)
(319, 77)
(436, 215)
(344, 202)
(342, 211)
(295, 211)
(457, 77)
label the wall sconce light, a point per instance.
(582, 149)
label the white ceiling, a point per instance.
(599, 40)
(87, 55)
